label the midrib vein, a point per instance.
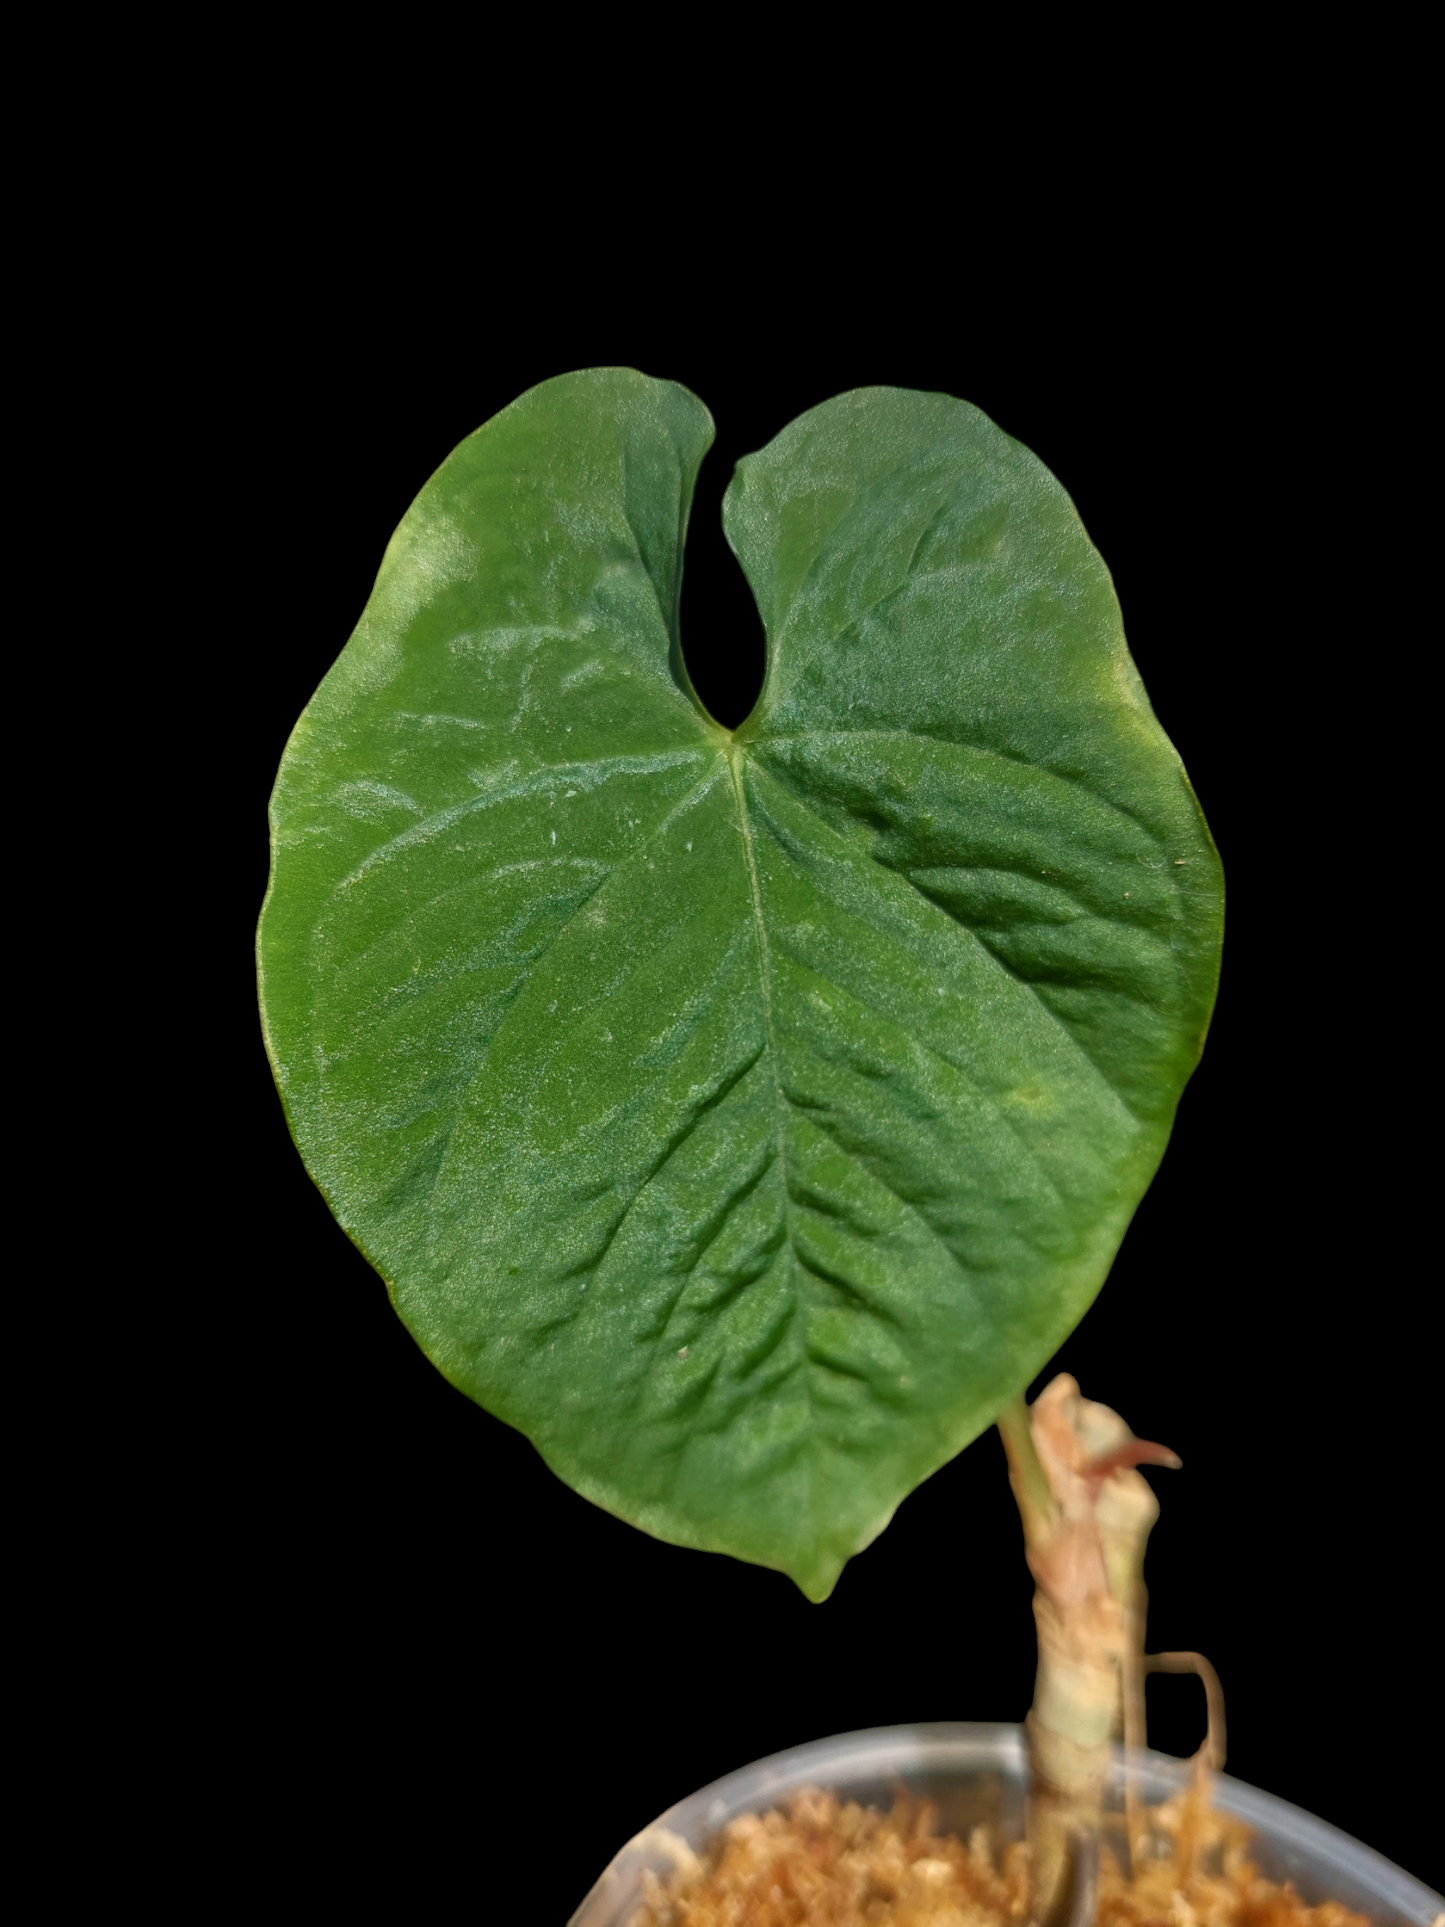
(765, 970)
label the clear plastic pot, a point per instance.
(976, 1773)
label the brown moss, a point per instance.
(823, 1863)
(1195, 1870)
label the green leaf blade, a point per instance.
(744, 1121)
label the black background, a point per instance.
(423, 1638)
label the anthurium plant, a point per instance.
(746, 1116)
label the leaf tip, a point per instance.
(817, 1578)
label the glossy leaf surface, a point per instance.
(744, 1117)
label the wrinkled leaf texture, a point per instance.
(743, 1116)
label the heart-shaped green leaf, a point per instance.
(744, 1117)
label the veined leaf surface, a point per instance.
(742, 1116)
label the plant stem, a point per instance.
(1086, 1516)
(1026, 1474)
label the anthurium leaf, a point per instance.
(744, 1117)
